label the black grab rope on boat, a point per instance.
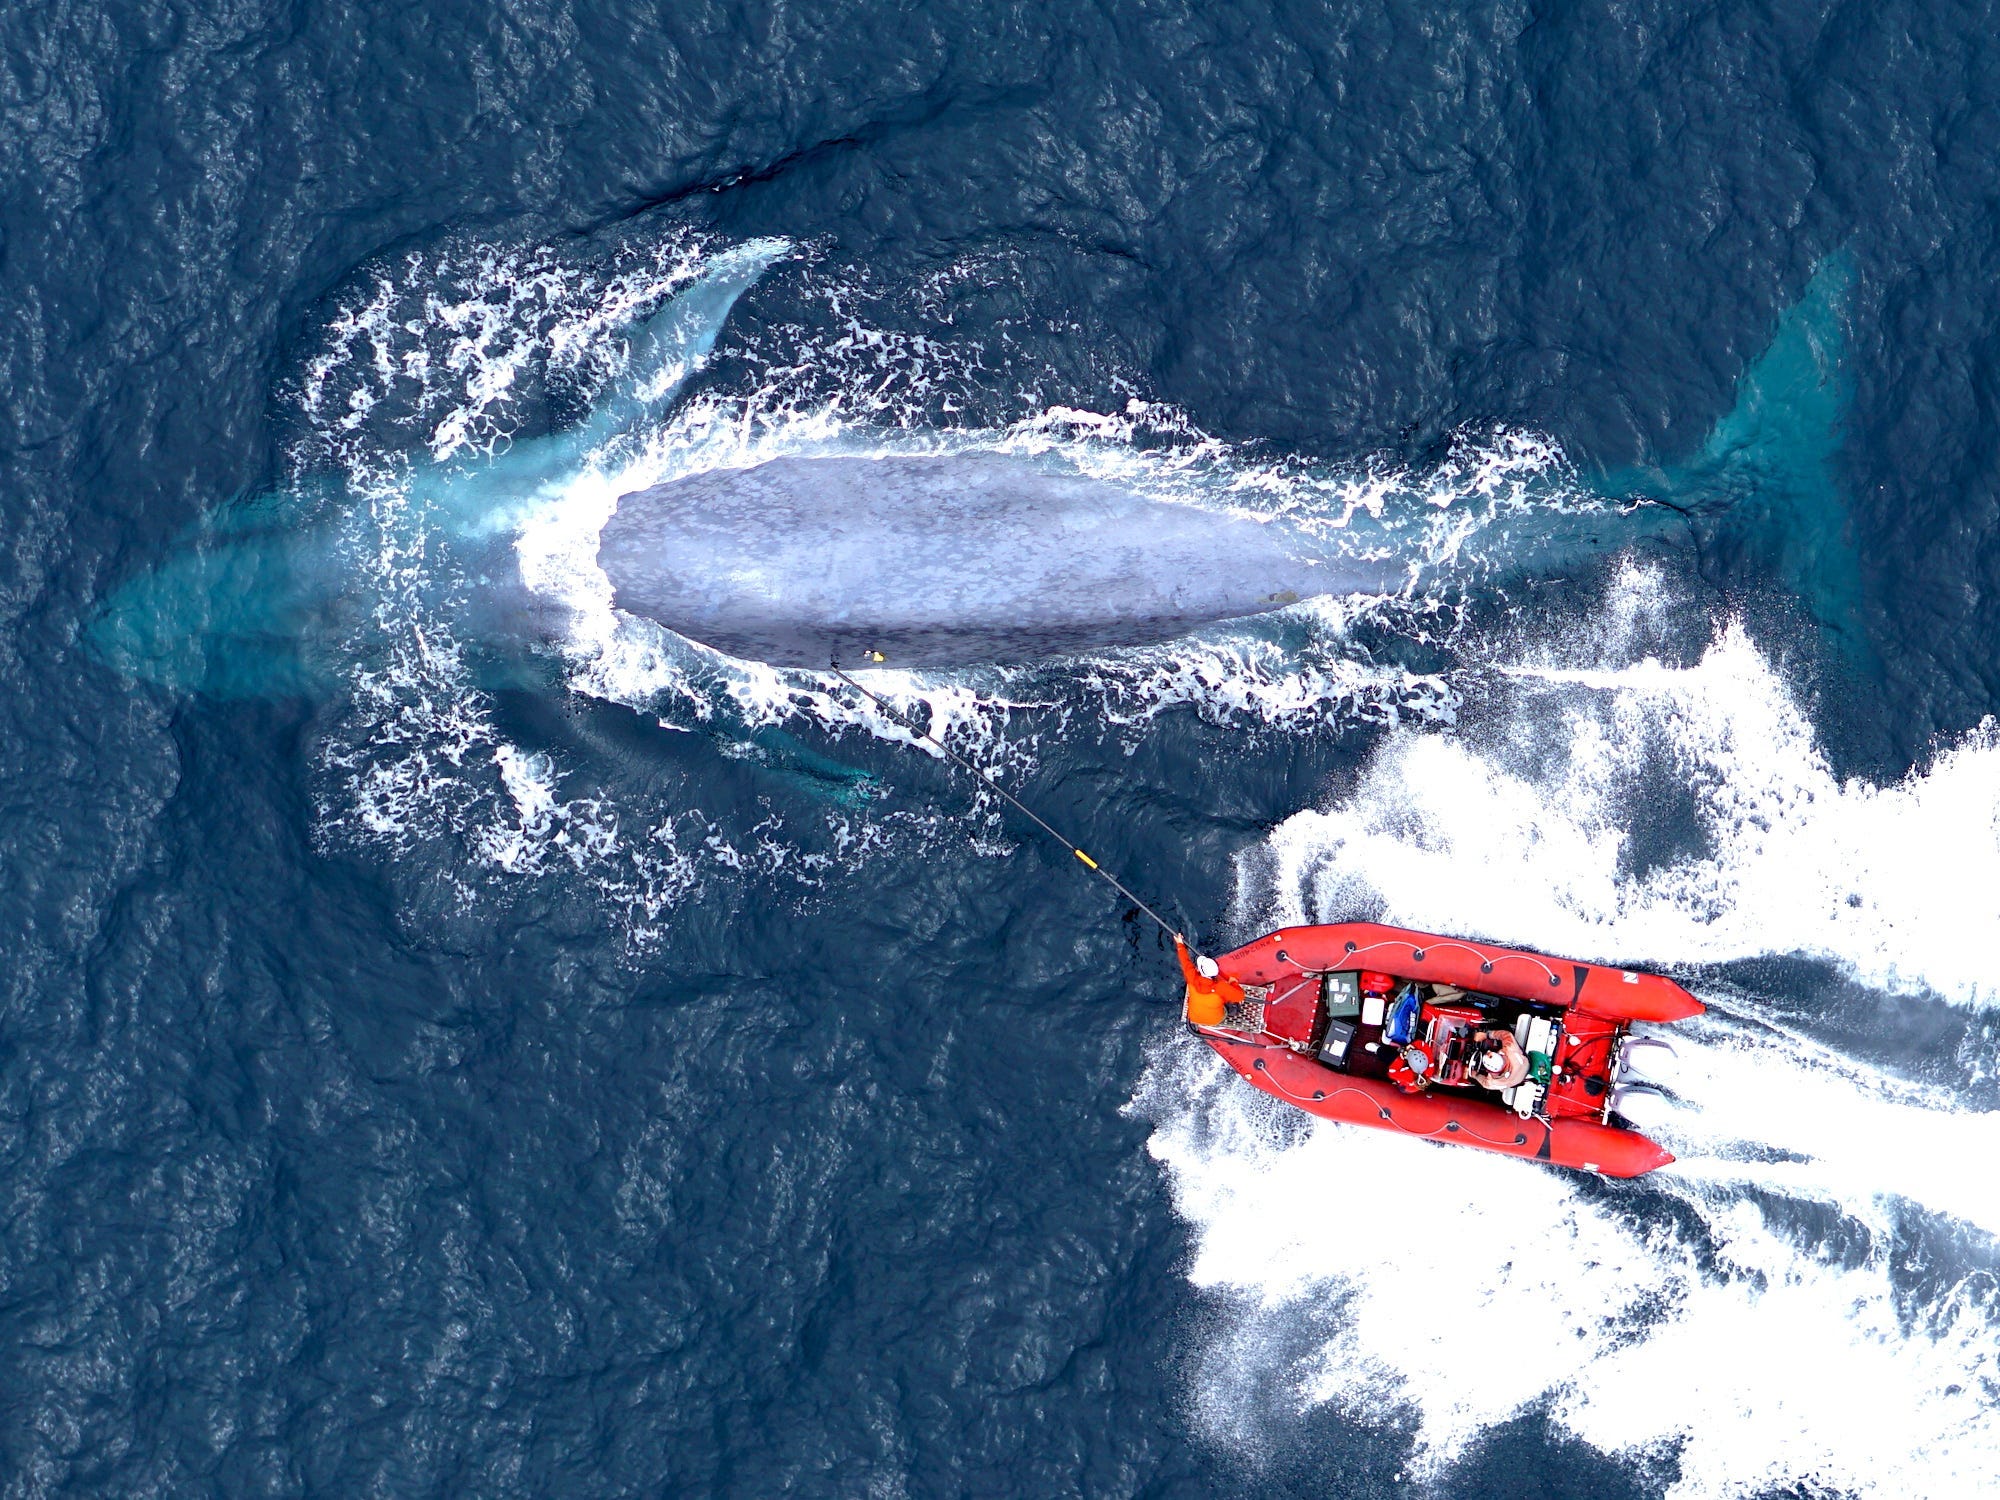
(1088, 863)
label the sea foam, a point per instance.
(1807, 1295)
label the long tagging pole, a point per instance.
(993, 786)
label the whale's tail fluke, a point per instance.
(1764, 485)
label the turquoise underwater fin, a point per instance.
(677, 341)
(791, 760)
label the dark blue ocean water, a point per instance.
(443, 1059)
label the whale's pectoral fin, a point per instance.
(819, 776)
(669, 347)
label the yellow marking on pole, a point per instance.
(1000, 791)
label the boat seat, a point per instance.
(1535, 1034)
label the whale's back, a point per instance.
(935, 561)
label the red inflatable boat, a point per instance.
(1394, 1029)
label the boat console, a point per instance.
(1327, 1017)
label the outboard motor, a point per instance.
(1641, 1105)
(1647, 1059)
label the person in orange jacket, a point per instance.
(1208, 993)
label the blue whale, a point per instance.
(927, 559)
